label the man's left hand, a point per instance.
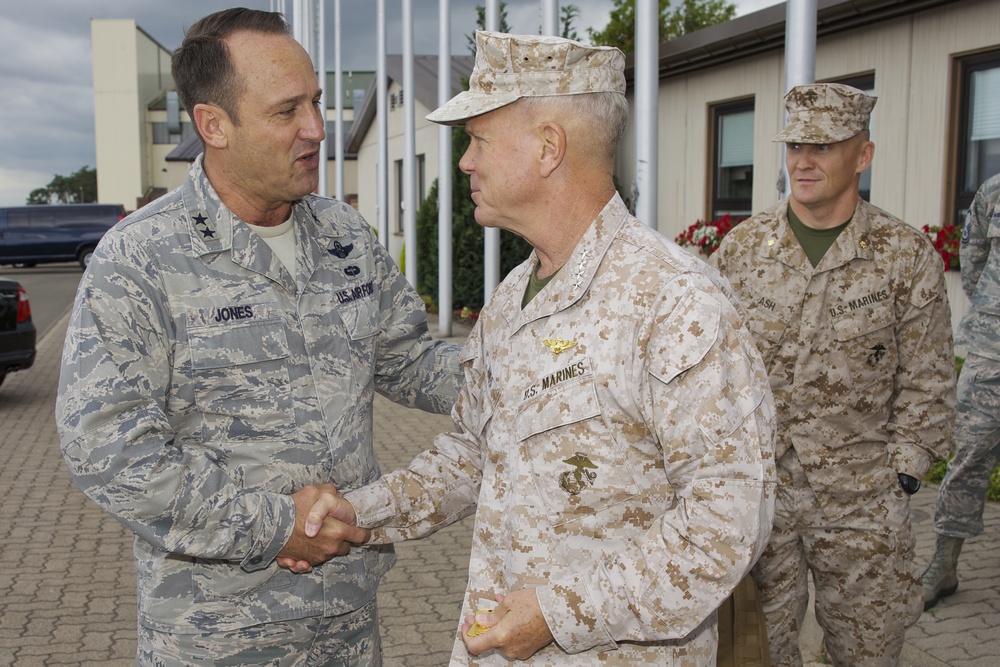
(517, 628)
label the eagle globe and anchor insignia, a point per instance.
(576, 480)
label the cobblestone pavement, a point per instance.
(67, 584)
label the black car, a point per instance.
(17, 332)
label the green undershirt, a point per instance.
(535, 286)
(814, 242)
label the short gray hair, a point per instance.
(607, 114)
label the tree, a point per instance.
(481, 24)
(569, 13)
(467, 239)
(77, 188)
(690, 16)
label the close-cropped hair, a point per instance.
(202, 68)
(605, 115)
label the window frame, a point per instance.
(958, 200)
(866, 83)
(714, 202)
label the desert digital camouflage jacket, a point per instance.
(858, 350)
(979, 331)
(200, 387)
(617, 433)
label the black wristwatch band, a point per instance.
(910, 484)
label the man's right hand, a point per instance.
(314, 542)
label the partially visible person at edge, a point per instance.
(615, 425)
(220, 368)
(962, 496)
(848, 307)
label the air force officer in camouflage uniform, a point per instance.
(848, 306)
(219, 371)
(615, 424)
(962, 497)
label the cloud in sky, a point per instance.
(47, 116)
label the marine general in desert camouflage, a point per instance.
(847, 304)
(220, 367)
(614, 432)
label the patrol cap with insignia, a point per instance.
(509, 67)
(825, 113)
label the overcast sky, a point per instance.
(47, 109)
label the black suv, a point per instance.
(45, 233)
(17, 332)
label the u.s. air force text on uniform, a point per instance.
(203, 383)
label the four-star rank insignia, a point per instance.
(558, 345)
(204, 225)
(341, 251)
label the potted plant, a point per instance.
(706, 235)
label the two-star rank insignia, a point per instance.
(341, 251)
(202, 224)
(558, 345)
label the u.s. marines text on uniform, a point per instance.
(848, 307)
(615, 426)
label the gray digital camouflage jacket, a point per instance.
(858, 350)
(979, 330)
(617, 434)
(200, 387)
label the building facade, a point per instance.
(933, 64)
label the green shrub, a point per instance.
(467, 240)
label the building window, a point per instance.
(977, 149)
(732, 159)
(866, 84)
(396, 100)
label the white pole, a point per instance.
(382, 123)
(297, 12)
(306, 31)
(800, 55)
(550, 17)
(444, 173)
(491, 235)
(318, 9)
(647, 24)
(338, 88)
(410, 151)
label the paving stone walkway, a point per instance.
(67, 583)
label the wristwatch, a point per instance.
(910, 484)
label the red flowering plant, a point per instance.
(706, 236)
(946, 240)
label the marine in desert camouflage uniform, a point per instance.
(615, 426)
(962, 497)
(848, 307)
(214, 386)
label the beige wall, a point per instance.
(129, 70)
(426, 144)
(911, 58)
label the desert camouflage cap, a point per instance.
(509, 67)
(825, 113)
